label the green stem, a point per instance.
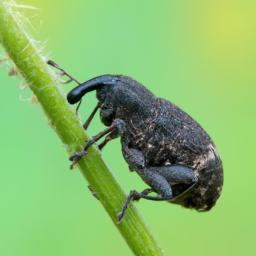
(44, 84)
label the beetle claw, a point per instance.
(77, 156)
(73, 165)
(120, 215)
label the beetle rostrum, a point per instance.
(166, 147)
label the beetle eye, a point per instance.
(106, 115)
(106, 121)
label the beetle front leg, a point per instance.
(75, 158)
(113, 135)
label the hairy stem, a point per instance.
(17, 43)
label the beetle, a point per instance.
(166, 147)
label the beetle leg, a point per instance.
(50, 62)
(158, 184)
(75, 158)
(113, 135)
(176, 173)
(93, 192)
(98, 136)
(158, 178)
(86, 124)
(136, 160)
(135, 194)
(146, 191)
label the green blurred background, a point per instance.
(201, 55)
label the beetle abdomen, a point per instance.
(205, 194)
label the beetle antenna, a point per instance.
(51, 63)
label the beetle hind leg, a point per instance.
(146, 191)
(158, 178)
(176, 173)
(136, 196)
(157, 183)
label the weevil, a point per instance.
(166, 147)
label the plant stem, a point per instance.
(16, 40)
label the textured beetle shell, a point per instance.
(166, 135)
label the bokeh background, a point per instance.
(201, 55)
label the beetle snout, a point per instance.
(73, 98)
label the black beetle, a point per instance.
(168, 149)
